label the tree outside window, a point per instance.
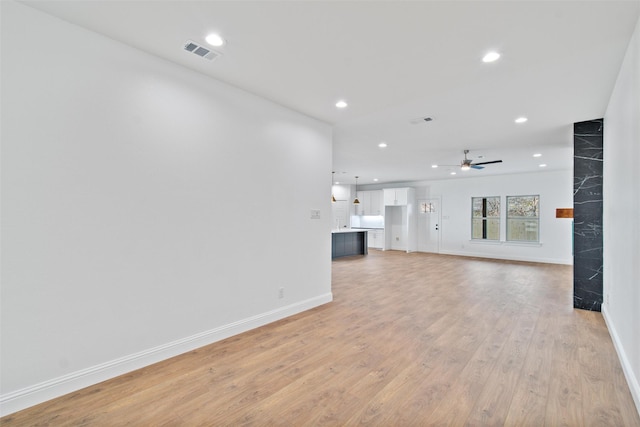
(523, 218)
(485, 218)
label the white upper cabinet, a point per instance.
(362, 197)
(396, 196)
(376, 205)
(370, 203)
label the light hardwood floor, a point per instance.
(410, 340)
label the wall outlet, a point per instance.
(315, 213)
(280, 293)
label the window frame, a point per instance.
(535, 218)
(485, 219)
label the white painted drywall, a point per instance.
(555, 191)
(621, 216)
(554, 187)
(146, 209)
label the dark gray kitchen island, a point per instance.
(349, 242)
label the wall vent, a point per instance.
(203, 52)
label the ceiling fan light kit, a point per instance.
(467, 164)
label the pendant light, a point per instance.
(333, 197)
(356, 201)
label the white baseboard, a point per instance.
(632, 381)
(38, 393)
(508, 257)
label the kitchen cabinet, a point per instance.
(396, 196)
(376, 206)
(400, 220)
(376, 239)
(361, 195)
(370, 203)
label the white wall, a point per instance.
(555, 190)
(146, 209)
(342, 209)
(621, 215)
(554, 187)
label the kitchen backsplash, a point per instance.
(366, 221)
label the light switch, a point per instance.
(315, 213)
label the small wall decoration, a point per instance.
(564, 213)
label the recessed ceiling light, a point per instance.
(341, 104)
(453, 173)
(382, 145)
(490, 57)
(434, 166)
(375, 179)
(543, 165)
(521, 120)
(214, 40)
(537, 155)
(337, 182)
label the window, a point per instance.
(426, 207)
(523, 218)
(485, 218)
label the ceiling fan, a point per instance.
(467, 164)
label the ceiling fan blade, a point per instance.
(486, 163)
(476, 167)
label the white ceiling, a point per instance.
(394, 61)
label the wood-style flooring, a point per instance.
(409, 340)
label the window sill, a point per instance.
(504, 243)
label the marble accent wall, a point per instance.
(587, 214)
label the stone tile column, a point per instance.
(587, 214)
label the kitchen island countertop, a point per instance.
(350, 230)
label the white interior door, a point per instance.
(429, 221)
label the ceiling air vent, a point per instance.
(201, 51)
(420, 120)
